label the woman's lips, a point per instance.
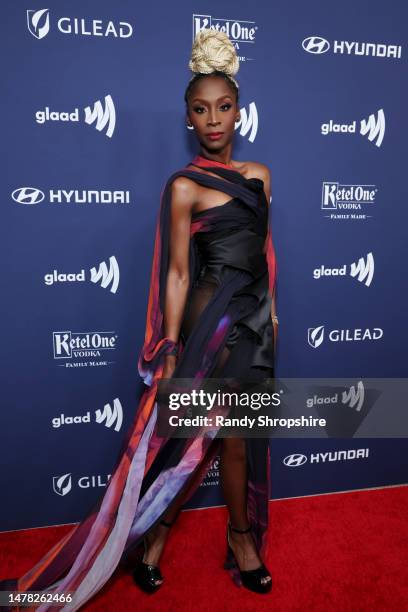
(215, 135)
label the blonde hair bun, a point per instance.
(213, 50)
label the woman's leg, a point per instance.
(156, 537)
(234, 483)
(234, 476)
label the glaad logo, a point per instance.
(28, 195)
(110, 417)
(107, 276)
(63, 484)
(353, 398)
(38, 23)
(374, 127)
(297, 459)
(363, 270)
(315, 335)
(248, 122)
(238, 31)
(347, 197)
(32, 195)
(318, 45)
(102, 116)
(103, 274)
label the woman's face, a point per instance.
(212, 111)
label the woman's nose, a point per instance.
(213, 118)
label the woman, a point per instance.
(209, 315)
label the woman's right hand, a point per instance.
(170, 362)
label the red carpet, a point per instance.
(341, 552)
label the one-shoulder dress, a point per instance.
(228, 312)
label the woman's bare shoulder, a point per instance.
(251, 169)
(184, 191)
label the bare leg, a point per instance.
(156, 538)
(234, 483)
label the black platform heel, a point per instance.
(145, 575)
(251, 579)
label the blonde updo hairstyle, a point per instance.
(213, 54)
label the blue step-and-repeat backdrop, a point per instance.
(93, 125)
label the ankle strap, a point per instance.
(239, 530)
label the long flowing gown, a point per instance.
(232, 279)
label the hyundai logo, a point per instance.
(27, 195)
(316, 44)
(295, 460)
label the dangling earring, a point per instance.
(238, 120)
(189, 127)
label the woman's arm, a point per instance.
(178, 275)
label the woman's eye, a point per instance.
(226, 106)
(198, 109)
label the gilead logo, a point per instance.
(62, 485)
(315, 335)
(38, 23)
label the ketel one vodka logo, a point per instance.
(38, 23)
(110, 416)
(362, 270)
(318, 45)
(353, 398)
(373, 128)
(106, 277)
(238, 31)
(62, 485)
(248, 122)
(347, 201)
(101, 115)
(213, 475)
(79, 345)
(315, 335)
